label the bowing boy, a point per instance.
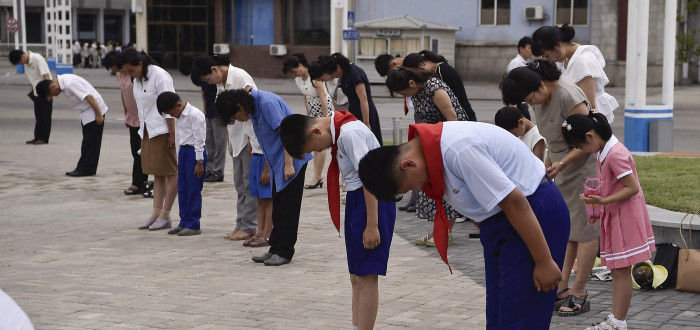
(485, 173)
(191, 128)
(369, 224)
(81, 96)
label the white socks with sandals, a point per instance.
(610, 322)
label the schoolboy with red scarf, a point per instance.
(488, 175)
(369, 224)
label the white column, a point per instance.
(14, 15)
(23, 23)
(126, 27)
(669, 64)
(101, 26)
(142, 28)
(339, 21)
(631, 61)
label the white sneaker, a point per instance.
(607, 324)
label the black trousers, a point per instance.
(286, 206)
(90, 148)
(42, 113)
(137, 177)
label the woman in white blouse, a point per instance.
(581, 64)
(157, 133)
(318, 104)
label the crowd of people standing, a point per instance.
(525, 198)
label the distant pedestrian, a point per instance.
(354, 83)
(191, 131)
(76, 54)
(626, 236)
(318, 104)
(267, 111)
(131, 121)
(36, 69)
(218, 71)
(386, 62)
(157, 133)
(524, 54)
(81, 96)
(581, 64)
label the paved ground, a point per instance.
(73, 259)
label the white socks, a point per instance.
(622, 324)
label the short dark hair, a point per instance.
(166, 102)
(520, 82)
(15, 56)
(546, 37)
(186, 64)
(292, 61)
(227, 104)
(328, 64)
(110, 59)
(381, 64)
(203, 63)
(507, 117)
(415, 59)
(378, 172)
(524, 41)
(399, 78)
(582, 124)
(42, 88)
(294, 133)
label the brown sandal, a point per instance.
(250, 239)
(259, 241)
(240, 236)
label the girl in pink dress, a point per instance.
(624, 208)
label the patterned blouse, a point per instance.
(426, 110)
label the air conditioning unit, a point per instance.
(534, 13)
(221, 49)
(278, 50)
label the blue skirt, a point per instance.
(362, 261)
(257, 165)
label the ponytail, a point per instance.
(399, 78)
(520, 82)
(327, 64)
(414, 60)
(576, 126)
(133, 57)
(547, 37)
(432, 56)
(292, 61)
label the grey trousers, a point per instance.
(217, 140)
(247, 206)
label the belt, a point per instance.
(545, 179)
(186, 145)
(256, 154)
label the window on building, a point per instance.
(35, 27)
(254, 22)
(401, 46)
(308, 22)
(87, 27)
(178, 27)
(494, 12)
(574, 12)
(114, 28)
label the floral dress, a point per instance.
(427, 112)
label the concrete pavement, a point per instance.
(73, 258)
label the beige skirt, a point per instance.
(570, 182)
(156, 157)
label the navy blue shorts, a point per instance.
(257, 165)
(362, 261)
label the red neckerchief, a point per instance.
(340, 118)
(405, 106)
(430, 135)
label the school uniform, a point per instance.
(257, 166)
(76, 90)
(270, 109)
(35, 70)
(481, 164)
(351, 141)
(246, 205)
(191, 130)
(156, 157)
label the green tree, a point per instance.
(688, 46)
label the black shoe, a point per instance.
(411, 209)
(214, 178)
(38, 141)
(32, 141)
(77, 173)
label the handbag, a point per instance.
(667, 256)
(688, 262)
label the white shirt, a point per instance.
(531, 138)
(354, 142)
(76, 89)
(588, 61)
(250, 133)
(306, 87)
(146, 94)
(482, 164)
(516, 62)
(191, 130)
(35, 69)
(11, 315)
(237, 78)
(335, 92)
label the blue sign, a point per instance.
(351, 35)
(351, 19)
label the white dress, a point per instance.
(313, 101)
(588, 61)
